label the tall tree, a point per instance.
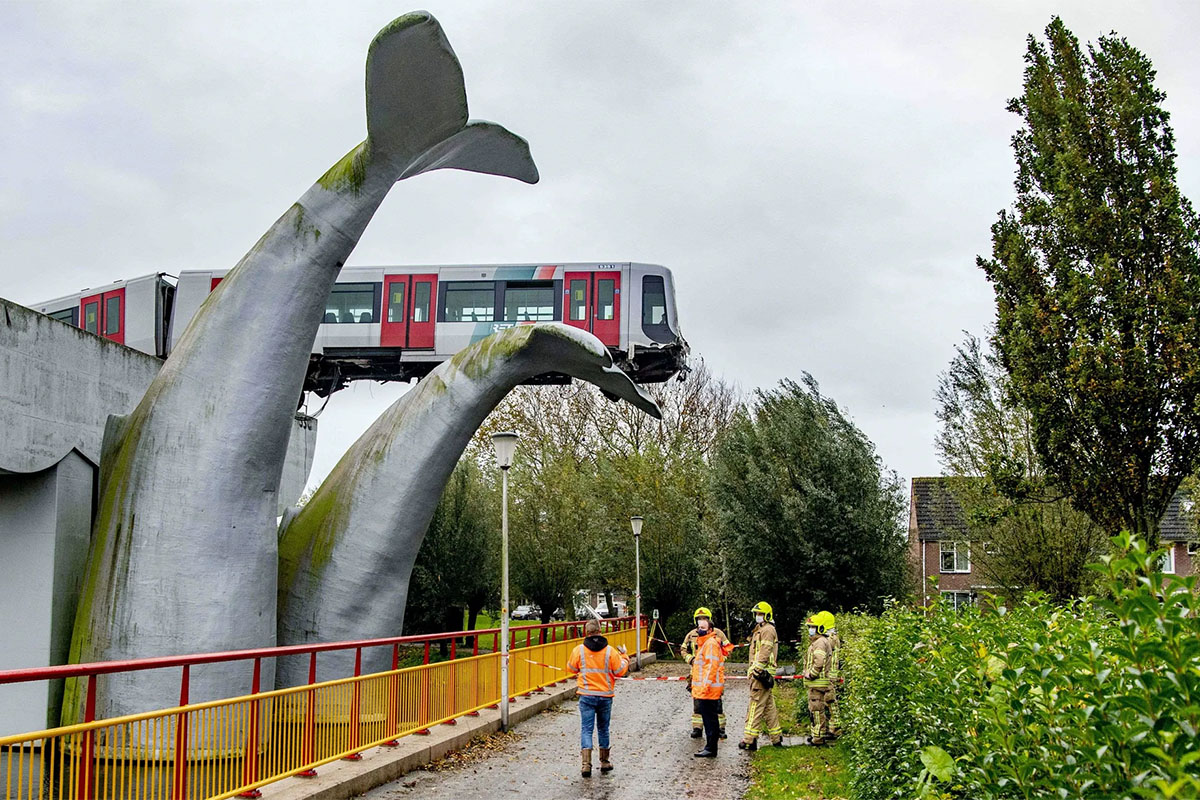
(809, 517)
(1024, 533)
(1096, 272)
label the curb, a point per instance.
(340, 780)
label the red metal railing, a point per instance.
(534, 636)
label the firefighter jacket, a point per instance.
(596, 667)
(708, 666)
(688, 646)
(764, 647)
(835, 662)
(817, 662)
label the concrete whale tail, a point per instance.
(417, 108)
(345, 557)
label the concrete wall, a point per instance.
(45, 524)
(58, 385)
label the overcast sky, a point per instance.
(819, 176)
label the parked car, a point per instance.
(523, 612)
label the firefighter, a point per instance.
(762, 716)
(708, 683)
(835, 674)
(816, 678)
(703, 620)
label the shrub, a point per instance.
(1096, 698)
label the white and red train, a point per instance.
(398, 323)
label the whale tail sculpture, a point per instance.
(346, 556)
(184, 555)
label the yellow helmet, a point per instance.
(764, 608)
(702, 611)
(817, 621)
(828, 619)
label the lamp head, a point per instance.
(636, 522)
(505, 444)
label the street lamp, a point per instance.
(505, 445)
(636, 522)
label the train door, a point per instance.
(606, 308)
(421, 321)
(577, 292)
(394, 328)
(104, 314)
(408, 315)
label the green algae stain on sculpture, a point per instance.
(346, 556)
(185, 554)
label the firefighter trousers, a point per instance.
(819, 700)
(762, 716)
(698, 723)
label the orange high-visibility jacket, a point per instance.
(597, 670)
(708, 667)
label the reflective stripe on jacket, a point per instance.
(596, 670)
(817, 662)
(708, 667)
(764, 645)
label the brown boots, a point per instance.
(586, 768)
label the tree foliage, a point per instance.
(585, 465)
(1024, 534)
(807, 516)
(1096, 273)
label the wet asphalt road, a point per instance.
(651, 753)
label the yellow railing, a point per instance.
(236, 745)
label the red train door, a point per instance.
(606, 308)
(577, 299)
(421, 321)
(394, 329)
(104, 315)
(89, 313)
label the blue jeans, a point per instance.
(595, 711)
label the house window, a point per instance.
(956, 557)
(1193, 548)
(958, 599)
(1166, 564)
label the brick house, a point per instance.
(939, 547)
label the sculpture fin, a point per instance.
(480, 147)
(417, 108)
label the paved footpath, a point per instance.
(651, 751)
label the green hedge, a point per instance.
(1100, 698)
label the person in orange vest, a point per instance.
(596, 666)
(708, 684)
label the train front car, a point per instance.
(656, 350)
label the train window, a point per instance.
(396, 302)
(525, 302)
(351, 302)
(606, 292)
(112, 315)
(470, 301)
(421, 293)
(578, 299)
(67, 315)
(654, 301)
(91, 317)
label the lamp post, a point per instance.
(636, 522)
(505, 445)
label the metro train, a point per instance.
(398, 323)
